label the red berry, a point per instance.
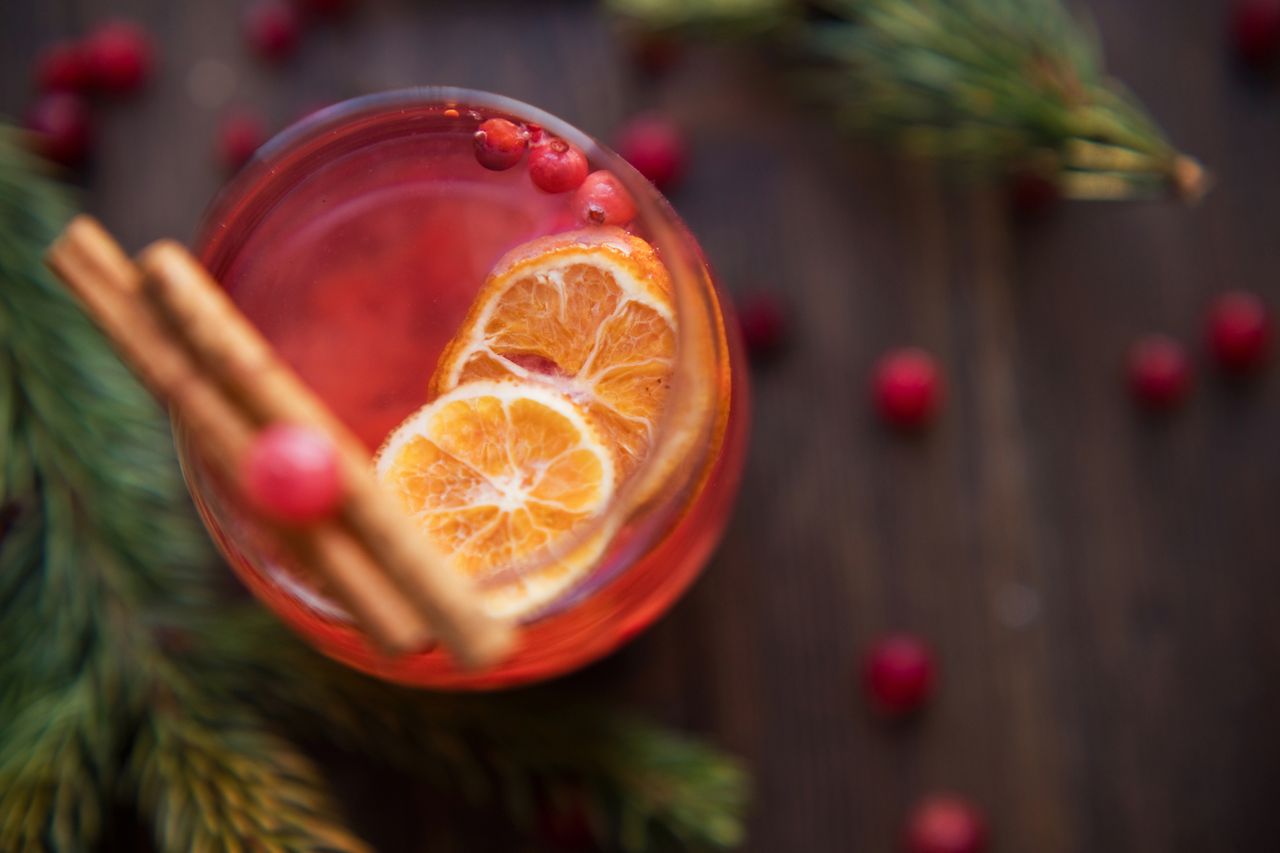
(1032, 195)
(63, 130)
(1159, 372)
(1239, 332)
(655, 54)
(119, 56)
(898, 674)
(272, 29)
(62, 67)
(655, 147)
(603, 200)
(291, 474)
(565, 824)
(500, 143)
(555, 166)
(240, 135)
(764, 324)
(907, 387)
(945, 823)
(1255, 26)
(328, 8)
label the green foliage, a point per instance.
(646, 789)
(217, 780)
(130, 673)
(990, 84)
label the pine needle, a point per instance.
(650, 789)
(987, 85)
(220, 781)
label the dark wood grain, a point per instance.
(1101, 587)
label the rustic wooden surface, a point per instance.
(1102, 589)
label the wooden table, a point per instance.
(1100, 586)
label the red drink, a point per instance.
(358, 242)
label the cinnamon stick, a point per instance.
(237, 356)
(109, 286)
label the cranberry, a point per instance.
(63, 130)
(555, 166)
(565, 824)
(291, 474)
(764, 324)
(1032, 195)
(898, 674)
(907, 387)
(62, 67)
(1159, 372)
(1255, 25)
(1239, 332)
(328, 8)
(119, 56)
(945, 823)
(240, 135)
(500, 143)
(174, 641)
(272, 29)
(655, 54)
(603, 200)
(655, 147)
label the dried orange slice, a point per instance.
(588, 313)
(505, 477)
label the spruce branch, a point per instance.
(51, 771)
(218, 780)
(645, 788)
(992, 85)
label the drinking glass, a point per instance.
(356, 241)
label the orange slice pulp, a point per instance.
(588, 313)
(501, 475)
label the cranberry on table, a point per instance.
(603, 200)
(1255, 27)
(62, 128)
(119, 56)
(327, 8)
(566, 827)
(655, 147)
(1239, 332)
(500, 143)
(241, 134)
(898, 674)
(555, 166)
(1032, 195)
(764, 324)
(62, 67)
(272, 29)
(291, 474)
(907, 388)
(945, 823)
(654, 53)
(1159, 372)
